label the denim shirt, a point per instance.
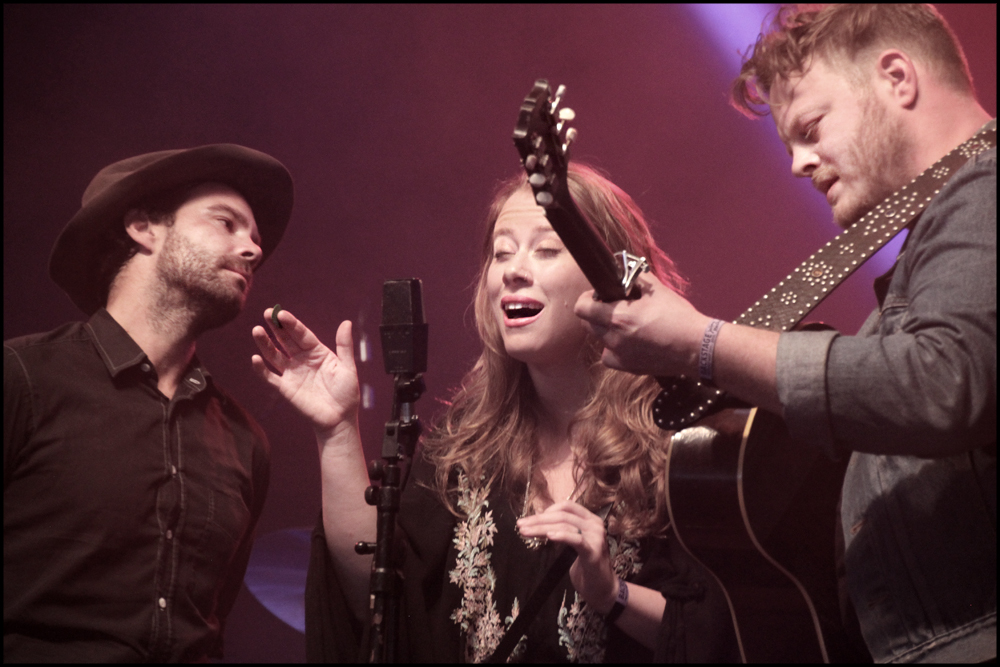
(912, 400)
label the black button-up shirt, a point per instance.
(127, 517)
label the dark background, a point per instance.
(396, 123)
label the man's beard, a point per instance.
(193, 290)
(876, 162)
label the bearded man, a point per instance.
(132, 482)
(865, 98)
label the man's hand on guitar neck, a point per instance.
(661, 334)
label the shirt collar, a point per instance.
(113, 343)
(121, 353)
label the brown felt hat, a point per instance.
(76, 258)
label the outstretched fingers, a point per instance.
(293, 336)
(292, 345)
(275, 359)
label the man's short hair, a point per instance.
(158, 209)
(846, 33)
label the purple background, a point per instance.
(396, 123)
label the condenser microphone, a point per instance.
(404, 327)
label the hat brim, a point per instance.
(262, 180)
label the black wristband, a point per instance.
(620, 603)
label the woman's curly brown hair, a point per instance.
(488, 431)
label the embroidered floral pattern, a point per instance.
(624, 557)
(517, 655)
(477, 615)
(581, 630)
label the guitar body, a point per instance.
(759, 511)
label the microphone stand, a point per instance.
(401, 434)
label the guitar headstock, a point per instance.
(542, 137)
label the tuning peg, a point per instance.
(570, 137)
(566, 114)
(531, 162)
(544, 198)
(538, 180)
(558, 98)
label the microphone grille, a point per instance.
(402, 302)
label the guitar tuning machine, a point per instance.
(544, 199)
(570, 137)
(566, 114)
(557, 98)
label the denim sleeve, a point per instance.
(802, 390)
(923, 382)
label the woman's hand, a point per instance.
(319, 383)
(573, 524)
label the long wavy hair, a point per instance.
(489, 429)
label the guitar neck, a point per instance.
(587, 247)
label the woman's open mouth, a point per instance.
(519, 312)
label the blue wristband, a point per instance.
(706, 355)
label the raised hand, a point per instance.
(319, 383)
(573, 524)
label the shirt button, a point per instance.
(173, 470)
(163, 603)
(145, 367)
(170, 534)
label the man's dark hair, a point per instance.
(158, 209)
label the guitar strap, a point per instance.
(812, 281)
(684, 401)
(552, 577)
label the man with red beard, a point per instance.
(132, 482)
(865, 98)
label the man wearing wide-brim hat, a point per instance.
(132, 482)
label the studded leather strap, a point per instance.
(684, 401)
(812, 281)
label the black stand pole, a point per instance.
(401, 435)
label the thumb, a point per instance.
(584, 306)
(345, 343)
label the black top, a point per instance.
(464, 578)
(127, 517)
